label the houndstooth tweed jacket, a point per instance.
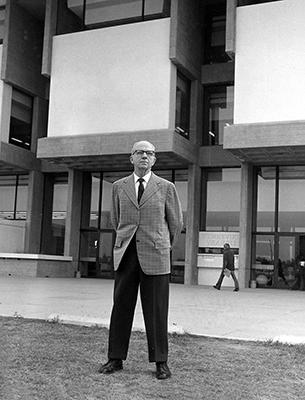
(156, 222)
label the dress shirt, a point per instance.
(145, 182)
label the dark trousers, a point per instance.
(219, 282)
(154, 292)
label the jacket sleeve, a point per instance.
(115, 209)
(173, 213)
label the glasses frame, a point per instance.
(149, 153)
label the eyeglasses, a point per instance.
(149, 153)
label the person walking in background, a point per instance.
(281, 272)
(228, 264)
(146, 214)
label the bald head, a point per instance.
(143, 144)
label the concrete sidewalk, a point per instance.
(250, 314)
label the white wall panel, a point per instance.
(270, 62)
(111, 79)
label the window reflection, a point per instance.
(55, 210)
(280, 210)
(13, 199)
(218, 113)
(223, 200)
(94, 14)
(265, 199)
(291, 217)
(21, 119)
(183, 98)
(215, 34)
(263, 263)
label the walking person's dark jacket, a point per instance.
(228, 259)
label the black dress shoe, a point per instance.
(111, 366)
(162, 371)
(236, 290)
(216, 287)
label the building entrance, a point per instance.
(279, 233)
(96, 253)
(278, 262)
(96, 233)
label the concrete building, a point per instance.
(216, 85)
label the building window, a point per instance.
(265, 199)
(54, 214)
(279, 234)
(252, 2)
(21, 120)
(218, 112)
(223, 199)
(2, 19)
(215, 34)
(183, 98)
(13, 199)
(95, 14)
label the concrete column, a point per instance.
(34, 213)
(245, 230)
(192, 226)
(46, 229)
(73, 218)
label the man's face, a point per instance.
(143, 157)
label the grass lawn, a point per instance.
(49, 361)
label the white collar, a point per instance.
(145, 177)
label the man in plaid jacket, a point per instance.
(146, 214)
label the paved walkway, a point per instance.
(250, 314)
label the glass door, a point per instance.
(96, 234)
(287, 264)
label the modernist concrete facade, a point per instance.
(81, 81)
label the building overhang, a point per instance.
(111, 151)
(15, 160)
(267, 143)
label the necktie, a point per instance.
(141, 189)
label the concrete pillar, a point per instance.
(34, 213)
(245, 230)
(46, 229)
(192, 226)
(73, 218)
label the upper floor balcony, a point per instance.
(108, 88)
(269, 116)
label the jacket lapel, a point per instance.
(151, 188)
(130, 190)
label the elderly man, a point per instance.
(147, 217)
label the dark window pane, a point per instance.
(56, 196)
(21, 119)
(102, 12)
(218, 113)
(114, 12)
(183, 93)
(251, 2)
(2, 19)
(215, 34)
